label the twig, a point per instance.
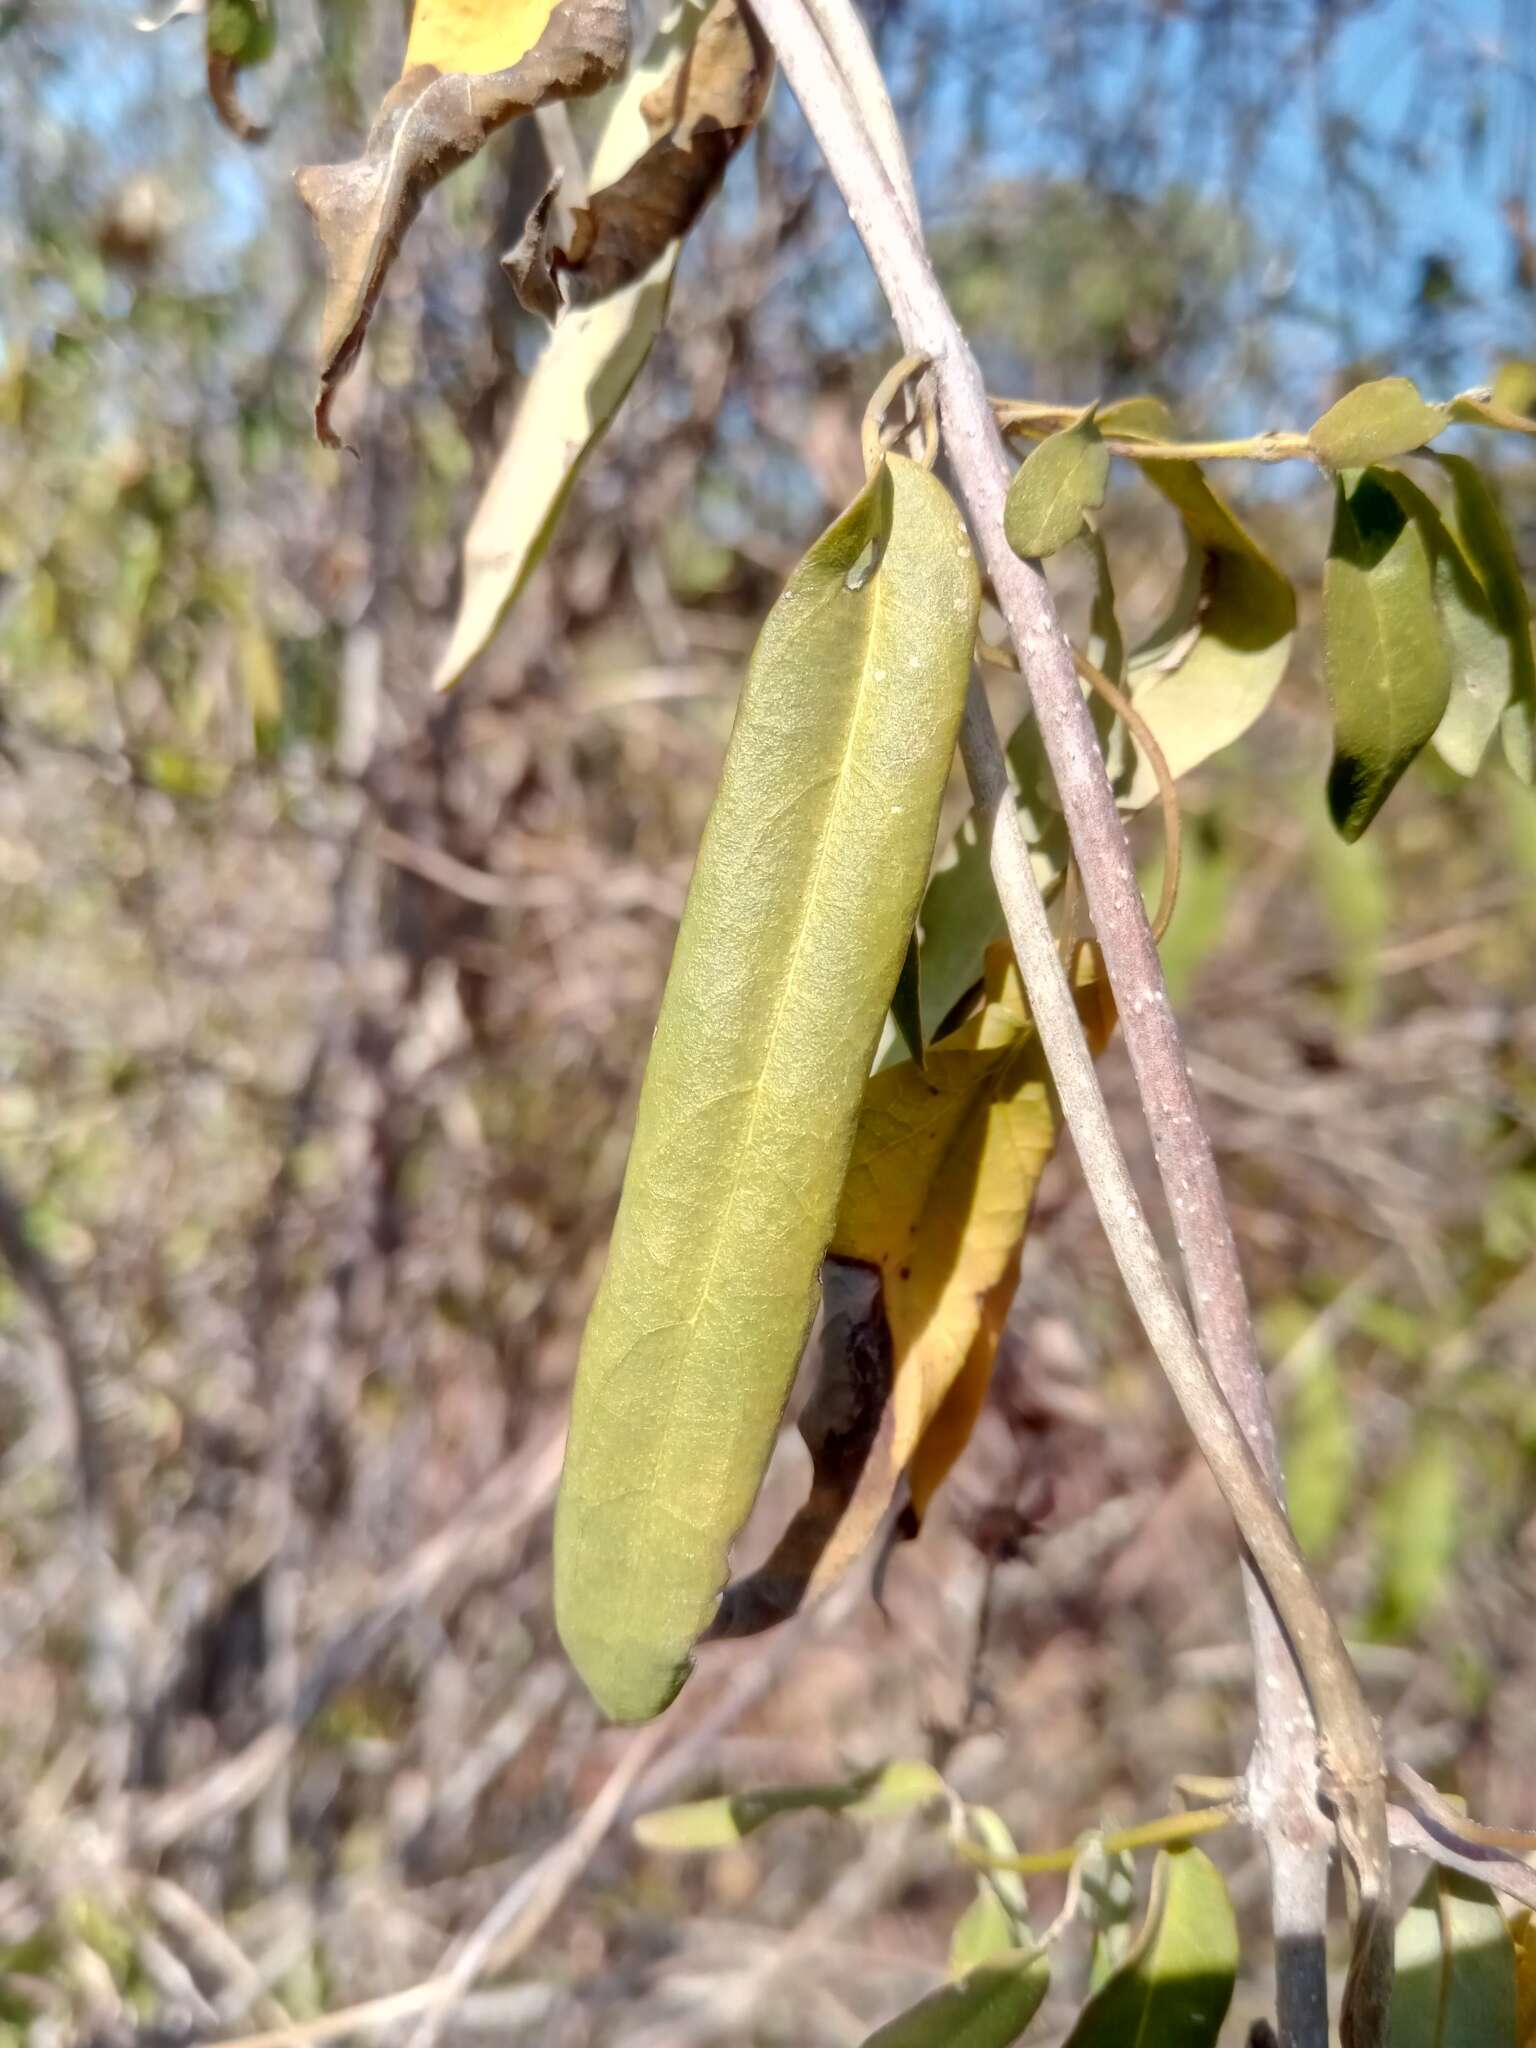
(1146, 739)
(515, 1495)
(1023, 416)
(537, 1696)
(228, 1787)
(34, 1274)
(1237, 1439)
(214, 1947)
(525, 1909)
(1168, 1829)
(444, 871)
(286, 1375)
(111, 1617)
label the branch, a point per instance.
(112, 1624)
(1223, 1401)
(1024, 416)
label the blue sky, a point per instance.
(1410, 74)
(1336, 287)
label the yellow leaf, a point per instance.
(943, 1172)
(959, 1412)
(475, 36)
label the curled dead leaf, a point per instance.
(470, 67)
(845, 1423)
(698, 118)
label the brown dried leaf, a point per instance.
(435, 119)
(698, 118)
(847, 1426)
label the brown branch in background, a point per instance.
(1224, 1399)
(662, 1756)
(111, 1628)
(34, 1274)
(514, 1496)
(285, 1377)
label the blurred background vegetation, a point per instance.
(323, 1006)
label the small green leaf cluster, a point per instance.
(1465, 1971)
(1426, 622)
(1168, 1983)
(1427, 635)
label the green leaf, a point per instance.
(1419, 1530)
(1517, 816)
(1140, 415)
(997, 1920)
(1320, 1455)
(1106, 642)
(244, 31)
(1456, 1982)
(1523, 1933)
(1376, 421)
(1509, 1217)
(587, 369)
(182, 774)
(1061, 482)
(809, 876)
(1471, 409)
(1514, 389)
(1388, 668)
(1109, 1907)
(880, 1794)
(989, 2007)
(961, 916)
(1480, 653)
(238, 34)
(907, 1003)
(1507, 406)
(1480, 528)
(1175, 1984)
(1211, 666)
(1204, 676)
